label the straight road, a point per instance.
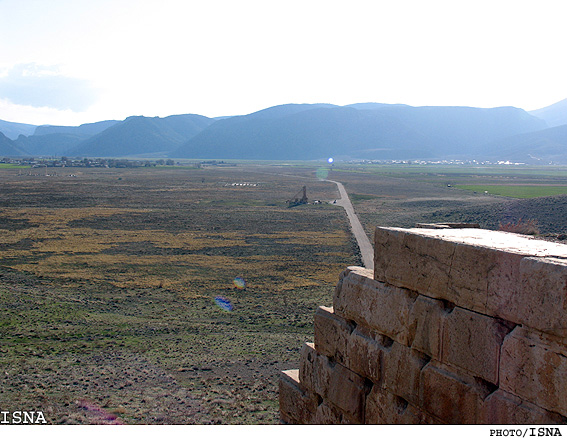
(366, 249)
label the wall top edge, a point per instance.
(499, 240)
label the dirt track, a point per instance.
(366, 249)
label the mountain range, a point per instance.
(312, 131)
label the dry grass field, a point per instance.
(108, 280)
(114, 283)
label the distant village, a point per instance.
(104, 162)
(134, 163)
(439, 162)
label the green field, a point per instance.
(517, 191)
(458, 170)
(13, 166)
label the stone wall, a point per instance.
(454, 325)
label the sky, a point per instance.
(69, 62)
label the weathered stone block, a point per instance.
(327, 413)
(376, 305)
(538, 297)
(344, 274)
(359, 350)
(383, 407)
(514, 277)
(534, 367)
(409, 259)
(472, 341)
(454, 398)
(297, 406)
(314, 370)
(364, 353)
(331, 334)
(347, 391)
(427, 323)
(333, 382)
(470, 272)
(401, 371)
(438, 263)
(504, 408)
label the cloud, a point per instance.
(44, 86)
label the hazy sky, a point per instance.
(76, 61)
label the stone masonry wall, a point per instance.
(453, 326)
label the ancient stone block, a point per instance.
(347, 391)
(344, 274)
(503, 408)
(427, 323)
(374, 304)
(501, 274)
(538, 298)
(327, 413)
(364, 352)
(297, 406)
(401, 371)
(314, 370)
(409, 259)
(439, 263)
(333, 382)
(472, 342)
(331, 334)
(454, 398)
(534, 368)
(383, 407)
(470, 272)
(359, 350)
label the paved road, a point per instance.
(366, 249)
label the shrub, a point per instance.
(528, 226)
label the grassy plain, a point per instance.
(108, 279)
(12, 166)
(403, 194)
(517, 191)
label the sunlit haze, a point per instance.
(72, 62)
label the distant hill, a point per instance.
(53, 144)
(359, 131)
(84, 130)
(284, 110)
(539, 147)
(57, 140)
(138, 135)
(12, 130)
(554, 115)
(9, 147)
(374, 106)
(314, 131)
